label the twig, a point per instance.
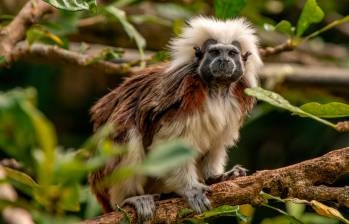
(342, 126)
(57, 54)
(90, 21)
(296, 181)
(268, 51)
(16, 30)
(327, 27)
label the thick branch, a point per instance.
(16, 30)
(298, 181)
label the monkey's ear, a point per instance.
(246, 55)
(198, 52)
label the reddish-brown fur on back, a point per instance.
(146, 98)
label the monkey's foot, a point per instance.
(197, 199)
(144, 205)
(236, 171)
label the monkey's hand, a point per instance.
(236, 171)
(144, 205)
(196, 197)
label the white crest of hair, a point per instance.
(201, 28)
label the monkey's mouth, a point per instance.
(226, 75)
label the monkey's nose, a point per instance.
(224, 64)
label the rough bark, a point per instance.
(305, 180)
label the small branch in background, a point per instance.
(296, 181)
(90, 21)
(268, 51)
(16, 30)
(327, 27)
(343, 126)
(54, 53)
(280, 72)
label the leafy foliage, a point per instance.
(296, 211)
(225, 9)
(224, 210)
(278, 101)
(56, 183)
(283, 26)
(311, 13)
(73, 5)
(330, 110)
(128, 27)
(166, 157)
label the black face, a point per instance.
(220, 63)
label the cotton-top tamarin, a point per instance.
(197, 97)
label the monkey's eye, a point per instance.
(233, 52)
(214, 52)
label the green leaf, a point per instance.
(69, 199)
(20, 177)
(311, 13)
(268, 27)
(46, 137)
(17, 138)
(284, 26)
(165, 157)
(39, 34)
(225, 9)
(128, 27)
(65, 23)
(2, 60)
(291, 218)
(295, 209)
(224, 210)
(278, 101)
(185, 212)
(106, 54)
(73, 5)
(330, 110)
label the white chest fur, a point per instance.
(216, 124)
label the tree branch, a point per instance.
(296, 181)
(269, 51)
(279, 72)
(57, 54)
(16, 30)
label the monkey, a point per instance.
(198, 97)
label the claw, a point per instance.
(236, 171)
(197, 199)
(144, 205)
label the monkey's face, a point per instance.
(220, 63)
